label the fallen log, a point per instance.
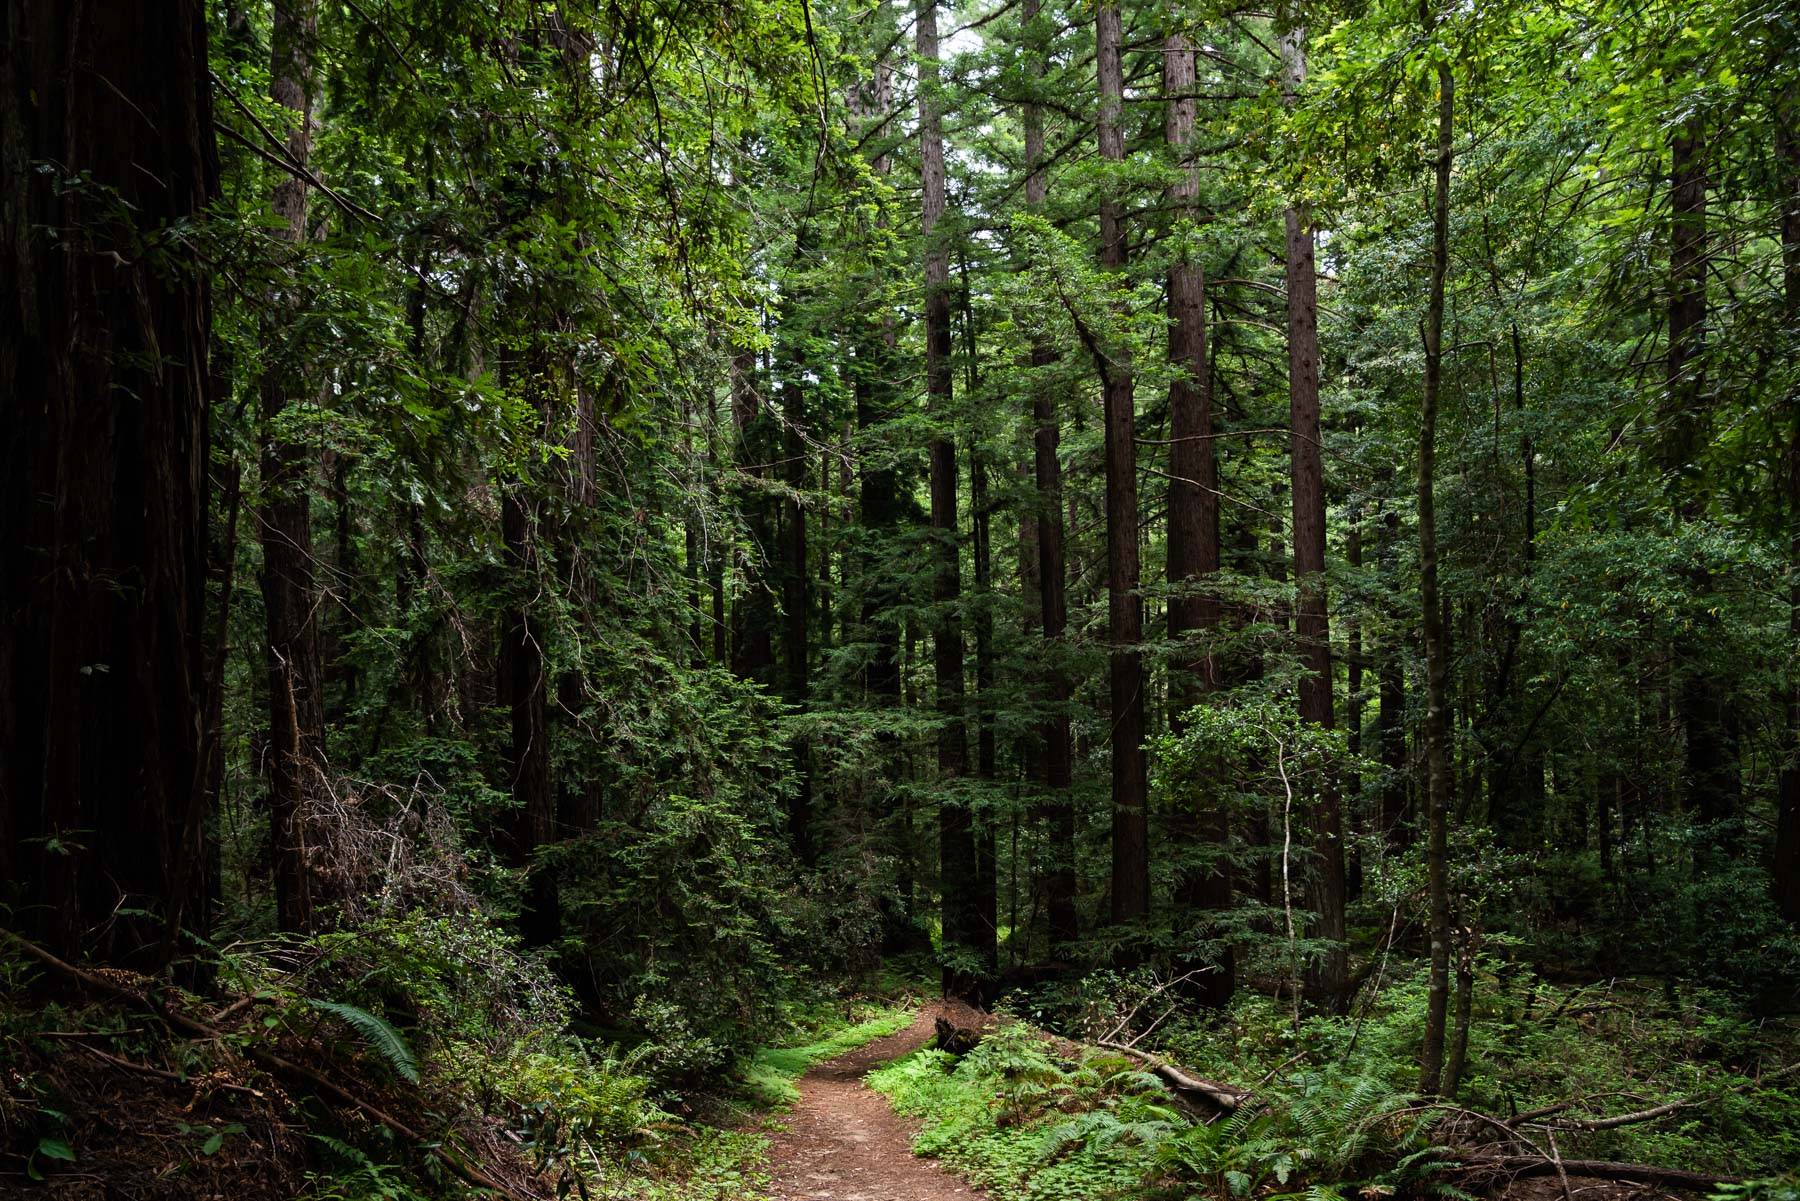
(1222, 1095)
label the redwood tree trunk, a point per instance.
(104, 388)
(1193, 555)
(1060, 884)
(296, 763)
(753, 612)
(1327, 974)
(1390, 712)
(1786, 874)
(1437, 655)
(796, 599)
(1125, 609)
(1708, 718)
(957, 869)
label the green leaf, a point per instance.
(379, 1033)
(56, 1148)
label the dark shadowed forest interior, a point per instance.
(885, 600)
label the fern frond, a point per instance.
(378, 1032)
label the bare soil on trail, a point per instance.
(843, 1142)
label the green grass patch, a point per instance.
(768, 1080)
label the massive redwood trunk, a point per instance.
(1124, 606)
(1328, 973)
(104, 387)
(964, 936)
(1193, 557)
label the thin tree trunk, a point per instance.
(1786, 874)
(290, 592)
(1458, 1053)
(1125, 609)
(1060, 884)
(1437, 667)
(1390, 713)
(1328, 974)
(523, 673)
(753, 613)
(796, 608)
(987, 868)
(1353, 714)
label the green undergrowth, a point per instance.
(1026, 1125)
(1609, 1047)
(768, 1079)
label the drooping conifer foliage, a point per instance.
(732, 490)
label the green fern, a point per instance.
(379, 1033)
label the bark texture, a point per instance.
(104, 389)
(1328, 973)
(1193, 554)
(964, 935)
(1124, 605)
(1438, 783)
(1058, 811)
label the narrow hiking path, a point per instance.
(843, 1143)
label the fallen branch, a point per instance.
(1222, 1095)
(267, 1059)
(164, 1074)
(1602, 1169)
(1655, 1111)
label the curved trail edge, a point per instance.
(844, 1143)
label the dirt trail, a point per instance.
(843, 1143)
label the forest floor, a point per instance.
(844, 1143)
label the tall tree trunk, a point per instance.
(1437, 651)
(1058, 812)
(1708, 718)
(290, 593)
(753, 613)
(1353, 713)
(522, 669)
(579, 800)
(104, 391)
(957, 869)
(987, 879)
(796, 588)
(880, 503)
(1193, 554)
(1329, 972)
(1125, 608)
(1786, 874)
(1390, 713)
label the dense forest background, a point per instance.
(666, 511)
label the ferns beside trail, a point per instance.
(1027, 1128)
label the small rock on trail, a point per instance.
(843, 1142)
